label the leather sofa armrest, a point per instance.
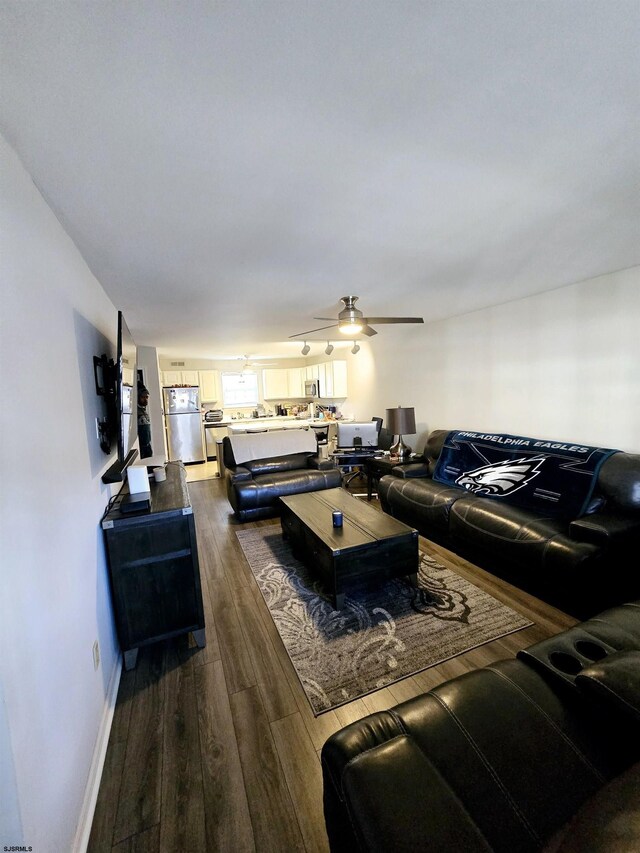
(413, 469)
(319, 464)
(239, 474)
(605, 528)
(353, 740)
(614, 681)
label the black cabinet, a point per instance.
(153, 568)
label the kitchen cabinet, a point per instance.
(190, 377)
(209, 381)
(312, 371)
(180, 377)
(275, 383)
(296, 379)
(153, 568)
(171, 377)
(338, 380)
(288, 384)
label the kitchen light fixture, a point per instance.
(350, 327)
(355, 348)
(306, 348)
(329, 348)
(401, 422)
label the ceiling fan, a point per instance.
(250, 364)
(351, 322)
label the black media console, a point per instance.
(153, 568)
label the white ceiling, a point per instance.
(229, 170)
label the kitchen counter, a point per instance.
(276, 422)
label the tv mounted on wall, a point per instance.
(120, 391)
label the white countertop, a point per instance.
(275, 423)
(277, 420)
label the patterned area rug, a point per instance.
(381, 635)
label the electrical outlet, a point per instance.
(96, 655)
(98, 428)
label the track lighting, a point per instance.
(329, 348)
(355, 348)
(306, 348)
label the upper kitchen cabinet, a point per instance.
(312, 371)
(209, 381)
(275, 383)
(190, 377)
(296, 377)
(332, 378)
(179, 377)
(335, 379)
(171, 377)
(288, 384)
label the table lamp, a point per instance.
(401, 421)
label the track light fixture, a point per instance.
(329, 348)
(306, 348)
(355, 348)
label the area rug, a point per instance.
(382, 634)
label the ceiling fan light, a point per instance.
(350, 327)
(329, 348)
(355, 348)
(306, 348)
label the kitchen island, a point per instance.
(216, 430)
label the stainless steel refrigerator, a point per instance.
(183, 420)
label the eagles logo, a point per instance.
(502, 478)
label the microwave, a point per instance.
(311, 388)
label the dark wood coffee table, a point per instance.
(369, 546)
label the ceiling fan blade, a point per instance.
(311, 331)
(367, 330)
(324, 318)
(378, 320)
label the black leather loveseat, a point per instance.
(273, 465)
(579, 564)
(537, 753)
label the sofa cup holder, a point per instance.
(590, 650)
(566, 655)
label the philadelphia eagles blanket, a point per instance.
(547, 476)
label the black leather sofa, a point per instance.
(255, 486)
(537, 753)
(580, 565)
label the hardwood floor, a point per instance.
(217, 749)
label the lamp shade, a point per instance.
(401, 421)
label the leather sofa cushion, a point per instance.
(515, 534)
(265, 489)
(420, 502)
(291, 462)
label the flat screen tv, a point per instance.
(125, 400)
(357, 435)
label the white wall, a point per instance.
(54, 599)
(564, 364)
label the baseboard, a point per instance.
(83, 830)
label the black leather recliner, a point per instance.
(254, 487)
(578, 565)
(536, 753)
